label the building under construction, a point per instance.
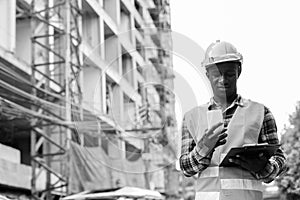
(86, 97)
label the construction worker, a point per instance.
(244, 122)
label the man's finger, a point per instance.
(214, 127)
(221, 142)
(224, 130)
(222, 136)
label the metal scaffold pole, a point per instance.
(56, 78)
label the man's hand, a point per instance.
(250, 163)
(212, 138)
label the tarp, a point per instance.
(92, 169)
(89, 168)
(133, 192)
(129, 173)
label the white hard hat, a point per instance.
(3, 197)
(219, 52)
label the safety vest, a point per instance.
(228, 183)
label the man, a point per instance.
(244, 122)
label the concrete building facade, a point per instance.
(87, 99)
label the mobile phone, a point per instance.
(214, 117)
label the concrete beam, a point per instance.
(10, 154)
(97, 61)
(14, 174)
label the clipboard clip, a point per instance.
(251, 145)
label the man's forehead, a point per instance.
(230, 66)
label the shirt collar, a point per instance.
(238, 101)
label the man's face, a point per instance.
(223, 78)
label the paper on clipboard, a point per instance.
(214, 117)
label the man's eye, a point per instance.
(230, 75)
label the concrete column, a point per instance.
(125, 27)
(127, 69)
(103, 89)
(112, 53)
(112, 7)
(134, 75)
(117, 104)
(92, 88)
(91, 31)
(102, 55)
(8, 24)
(101, 39)
(23, 42)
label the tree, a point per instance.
(290, 182)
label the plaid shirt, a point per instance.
(194, 158)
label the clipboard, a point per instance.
(250, 150)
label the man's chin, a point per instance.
(223, 93)
(222, 90)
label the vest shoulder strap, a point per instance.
(254, 117)
(196, 121)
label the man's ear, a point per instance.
(239, 70)
(207, 74)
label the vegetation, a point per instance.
(290, 182)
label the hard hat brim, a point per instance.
(226, 58)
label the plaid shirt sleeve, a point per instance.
(276, 164)
(195, 157)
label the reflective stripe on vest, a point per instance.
(241, 184)
(227, 195)
(224, 183)
(207, 196)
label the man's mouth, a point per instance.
(223, 86)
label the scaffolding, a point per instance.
(56, 79)
(47, 100)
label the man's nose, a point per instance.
(223, 79)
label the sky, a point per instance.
(266, 33)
